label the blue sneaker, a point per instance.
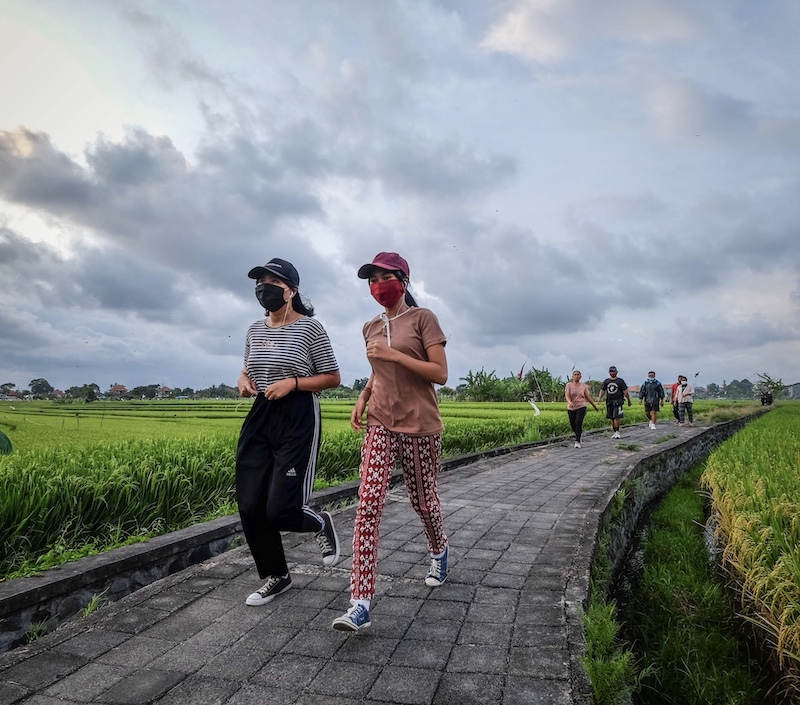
(357, 617)
(438, 572)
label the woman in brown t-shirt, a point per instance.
(405, 347)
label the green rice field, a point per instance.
(86, 477)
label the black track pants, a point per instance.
(276, 463)
(576, 417)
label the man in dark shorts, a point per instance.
(615, 391)
(652, 394)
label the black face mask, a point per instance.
(270, 297)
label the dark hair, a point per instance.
(302, 305)
(410, 301)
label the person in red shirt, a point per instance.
(405, 347)
(674, 399)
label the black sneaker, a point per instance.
(275, 585)
(328, 541)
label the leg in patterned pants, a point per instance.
(420, 458)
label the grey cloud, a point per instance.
(143, 158)
(33, 171)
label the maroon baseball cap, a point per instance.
(390, 261)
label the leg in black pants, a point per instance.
(576, 417)
(275, 467)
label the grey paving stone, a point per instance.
(42, 669)
(186, 661)
(289, 671)
(520, 690)
(469, 689)
(453, 592)
(539, 635)
(442, 609)
(433, 630)
(315, 643)
(200, 691)
(237, 663)
(11, 693)
(403, 606)
(421, 654)
(413, 686)
(92, 643)
(88, 682)
(144, 686)
(138, 619)
(485, 633)
(500, 614)
(171, 601)
(41, 699)
(539, 662)
(391, 626)
(263, 694)
(139, 650)
(477, 658)
(366, 647)
(345, 679)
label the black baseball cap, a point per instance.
(280, 268)
(612, 369)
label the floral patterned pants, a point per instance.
(419, 457)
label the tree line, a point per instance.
(535, 385)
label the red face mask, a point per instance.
(387, 293)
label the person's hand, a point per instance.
(378, 350)
(278, 390)
(629, 402)
(247, 387)
(357, 415)
(640, 401)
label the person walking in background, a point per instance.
(674, 400)
(685, 401)
(652, 394)
(616, 392)
(288, 360)
(577, 395)
(405, 347)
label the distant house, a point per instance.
(118, 390)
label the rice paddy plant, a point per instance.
(679, 616)
(753, 480)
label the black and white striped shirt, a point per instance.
(300, 349)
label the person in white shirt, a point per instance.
(685, 400)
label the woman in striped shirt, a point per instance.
(288, 360)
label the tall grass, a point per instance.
(680, 618)
(754, 483)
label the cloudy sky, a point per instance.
(574, 183)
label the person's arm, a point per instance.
(566, 393)
(314, 383)
(641, 390)
(627, 396)
(357, 415)
(588, 396)
(247, 387)
(433, 370)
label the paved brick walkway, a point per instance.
(502, 629)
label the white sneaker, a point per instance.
(577, 445)
(652, 426)
(616, 435)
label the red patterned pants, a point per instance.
(419, 457)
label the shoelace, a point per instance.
(436, 567)
(356, 612)
(323, 542)
(271, 583)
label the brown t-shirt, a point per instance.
(401, 400)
